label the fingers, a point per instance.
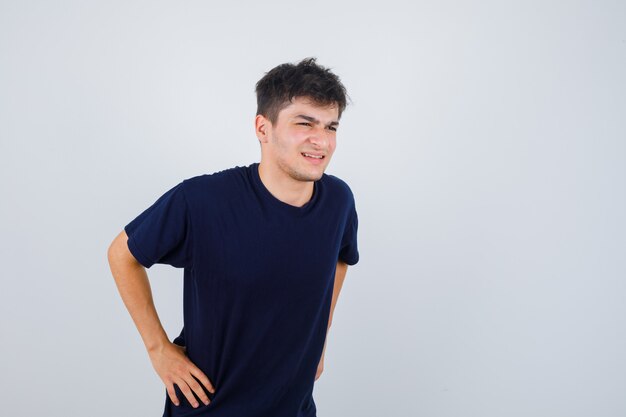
(179, 375)
(204, 380)
(172, 394)
(193, 384)
(184, 386)
(195, 387)
(189, 386)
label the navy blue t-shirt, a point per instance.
(258, 284)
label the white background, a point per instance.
(485, 145)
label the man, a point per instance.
(265, 249)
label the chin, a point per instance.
(310, 177)
(307, 176)
(302, 172)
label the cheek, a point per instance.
(294, 139)
(332, 144)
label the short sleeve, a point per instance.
(162, 233)
(349, 252)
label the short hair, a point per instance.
(283, 83)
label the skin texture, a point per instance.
(168, 359)
(287, 175)
(284, 171)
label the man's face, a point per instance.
(302, 140)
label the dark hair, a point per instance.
(283, 83)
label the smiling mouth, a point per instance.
(308, 155)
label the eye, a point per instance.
(304, 123)
(333, 128)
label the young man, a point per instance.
(265, 249)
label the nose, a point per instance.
(320, 137)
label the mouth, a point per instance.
(313, 157)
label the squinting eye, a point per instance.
(334, 129)
(305, 124)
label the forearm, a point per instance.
(133, 285)
(340, 275)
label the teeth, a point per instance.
(312, 156)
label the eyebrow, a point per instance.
(315, 121)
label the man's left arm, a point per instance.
(340, 275)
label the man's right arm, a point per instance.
(169, 360)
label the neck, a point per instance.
(285, 188)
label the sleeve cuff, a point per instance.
(134, 250)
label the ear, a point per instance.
(262, 128)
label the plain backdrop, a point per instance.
(485, 145)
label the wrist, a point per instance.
(156, 345)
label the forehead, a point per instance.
(306, 106)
